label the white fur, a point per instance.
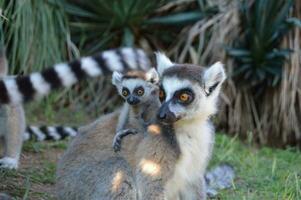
(195, 139)
(129, 57)
(215, 73)
(71, 131)
(40, 135)
(152, 74)
(52, 131)
(113, 61)
(66, 75)
(172, 84)
(116, 78)
(163, 62)
(143, 60)
(26, 136)
(9, 163)
(13, 90)
(39, 84)
(90, 66)
(131, 84)
(196, 150)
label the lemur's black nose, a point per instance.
(165, 115)
(133, 100)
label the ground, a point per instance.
(262, 173)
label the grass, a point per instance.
(260, 173)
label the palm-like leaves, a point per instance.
(258, 54)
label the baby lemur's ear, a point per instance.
(214, 76)
(116, 78)
(152, 76)
(163, 62)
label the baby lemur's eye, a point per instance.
(125, 92)
(139, 91)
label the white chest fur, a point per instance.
(195, 141)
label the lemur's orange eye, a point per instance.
(184, 97)
(125, 92)
(161, 95)
(140, 92)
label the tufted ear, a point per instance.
(152, 76)
(116, 78)
(163, 62)
(214, 76)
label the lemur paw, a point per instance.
(118, 138)
(9, 163)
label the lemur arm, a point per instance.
(121, 130)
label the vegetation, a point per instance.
(259, 42)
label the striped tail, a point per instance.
(25, 88)
(49, 133)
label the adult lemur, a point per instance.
(169, 162)
(15, 90)
(13, 131)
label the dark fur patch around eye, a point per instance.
(137, 89)
(188, 91)
(125, 92)
(211, 89)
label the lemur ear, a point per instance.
(214, 76)
(152, 76)
(116, 78)
(163, 62)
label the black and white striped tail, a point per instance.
(25, 88)
(49, 133)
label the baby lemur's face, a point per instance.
(188, 91)
(137, 87)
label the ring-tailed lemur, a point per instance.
(12, 127)
(168, 162)
(189, 95)
(140, 92)
(25, 88)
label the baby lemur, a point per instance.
(140, 91)
(167, 162)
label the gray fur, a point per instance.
(90, 156)
(219, 178)
(166, 162)
(12, 126)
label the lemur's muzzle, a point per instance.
(165, 115)
(132, 100)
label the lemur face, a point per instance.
(137, 88)
(187, 91)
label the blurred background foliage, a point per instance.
(258, 40)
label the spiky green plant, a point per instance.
(258, 53)
(36, 34)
